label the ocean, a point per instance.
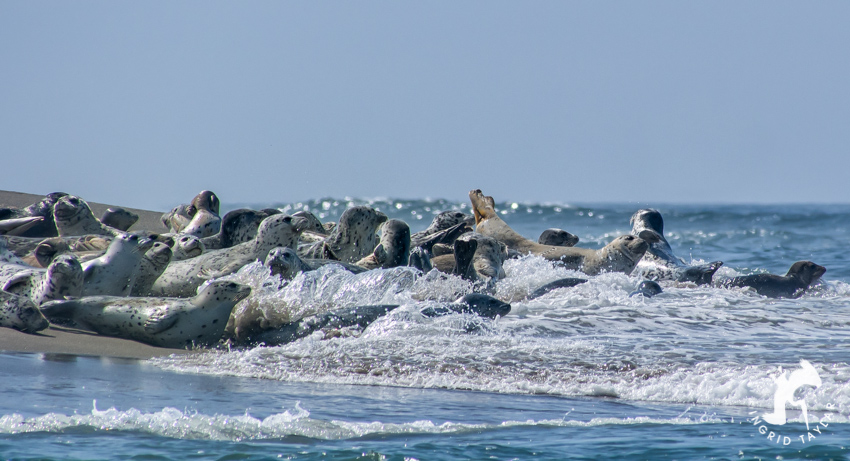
(587, 372)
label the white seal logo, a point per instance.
(785, 388)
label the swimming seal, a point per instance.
(621, 255)
(649, 225)
(394, 249)
(20, 313)
(647, 289)
(63, 278)
(792, 285)
(182, 278)
(162, 322)
(114, 273)
(353, 238)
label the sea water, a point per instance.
(585, 373)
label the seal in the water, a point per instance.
(182, 278)
(238, 226)
(151, 267)
(284, 262)
(353, 238)
(162, 322)
(566, 282)
(43, 208)
(20, 313)
(649, 225)
(394, 249)
(205, 221)
(621, 255)
(119, 218)
(73, 216)
(647, 289)
(63, 278)
(476, 257)
(558, 238)
(186, 247)
(792, 285)
(114, 273)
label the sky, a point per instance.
(144, 104)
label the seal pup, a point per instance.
(394, 249)
(237, 226)
(20, 313)
(42, 208)
(205, 221)
(114, 273)
(182, 278)
(621, 255)
(73, 216)
(152, 265)
(557, 237)
(119, 218)
(63, 278)
(648, 224)
(353, 238)
(162, 322)
(793, 284)
(186, 247)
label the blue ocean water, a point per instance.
(580, 373)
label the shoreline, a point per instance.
(60, 340)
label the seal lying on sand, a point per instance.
(151, 267)
(20, 313)
(237, 226)
(394, 249)
(792, 285)
(649, 225)
(205, 221)
(182, 278)
(19, 226)
(43, 208)
(73, 216)
(63, 278)
(162, 322)
(180, 217)
(119, 218)
(353, 238)
(186, 247)
(114, 273)
(621, 255)
(85, 248)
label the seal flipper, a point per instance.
(701, 274)
(160, 321)
(567, 282)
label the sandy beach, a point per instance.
(59, 340)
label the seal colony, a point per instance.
(61, 264)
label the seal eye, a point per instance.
(287, 219)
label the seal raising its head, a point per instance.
(353, 238)
(792, 285)
(73, 216)
(115, 272)
(62, 278)
(394, 249)
(205, 222)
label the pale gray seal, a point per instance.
(237, 226)
(286, 263)
(19, 226)
(85, 248)
(20, 313)
(114, 273)
(63, 278)
(73, 216)
(800, 276)
(182, 278)
(557, 237)
(42, 208)
(649, 225)
(6, 254)
(151, 267)
(161, 322)
(119, 218)
(186, 247)
(205, 221)
(394, 249)
(353, 238)
(621, 255)
(178, 218)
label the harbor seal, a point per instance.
(353, 238)
(63, 278)
(476, 257)
(151, 266)
(43, 208)
(205, 221)
(621, 255)
(119, 218)
(178, 218)
(114, 273)
(186, 247)
(442, 221)
(566, 282)
(161, 322)
(237, 226)
(85, 248)
(558, 238)
(793, 284)
(394, 249)
(20, 313)
(647, 289)
(182, 278)
(73, 216)
(649, 225)
(286, 263)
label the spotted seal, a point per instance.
(442, 221)
(85, 248)
(237, 226)
(43, 208)
(7, 255)
(205, 221)
(286, 263)
(621, 255)
(114, 273)
(20, 313)
(63, 278)
(119, 218)
(186, 247)
(394, 249)
(793, 284)
(152, 265)
(649, 225)
(182, 278)
(178, 218)
(162, 322)
(353, 238)
(73, 216)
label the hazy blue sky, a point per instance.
(144, 104)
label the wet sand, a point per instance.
(59, 340)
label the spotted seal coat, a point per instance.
(162, 322)
(20, 313)
(114, 273)
(186, 247)
(85, 248)
(151, 267)
(353, 238)
(793, 284)
(182, 278)
(237, 226)
(73, 216)
(394, 249)
(621, 255)
(43, 208)
(63, 278)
